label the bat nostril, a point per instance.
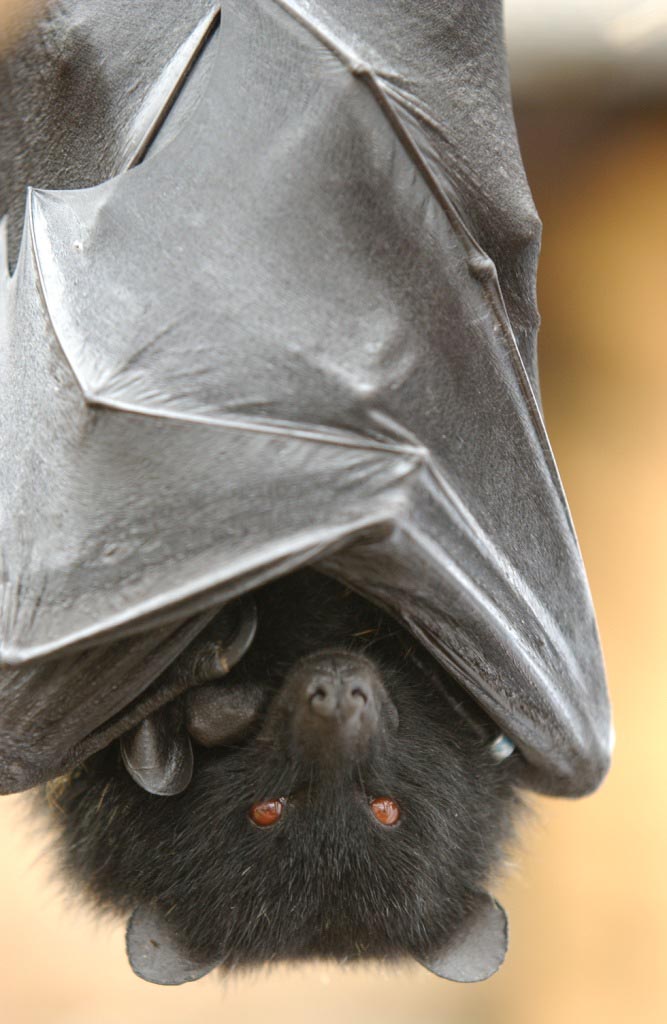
(323, 698)
(359, 694)
(337, 686)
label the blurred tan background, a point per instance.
(587, 898)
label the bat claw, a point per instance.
(216, 660)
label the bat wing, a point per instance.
(280, 341)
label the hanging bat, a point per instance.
(334, 794)
(269, 303)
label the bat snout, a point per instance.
(339, 690)
(336, 700)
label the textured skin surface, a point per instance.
(313, 227)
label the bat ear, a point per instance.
(478, 947)
(158, 754)
(156, 954)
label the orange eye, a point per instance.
(386, 810)
(267, 812)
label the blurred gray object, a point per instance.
(276, 307)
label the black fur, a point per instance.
(327, 880)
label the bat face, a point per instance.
(354, 809)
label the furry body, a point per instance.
(327, 880)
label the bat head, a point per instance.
(356, 814)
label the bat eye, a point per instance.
(386, 810)
(267, 812)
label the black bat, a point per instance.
(337, 795)
(281, 313)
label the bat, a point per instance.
(360, 802)
(269, 303)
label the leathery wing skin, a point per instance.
(292, 334)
